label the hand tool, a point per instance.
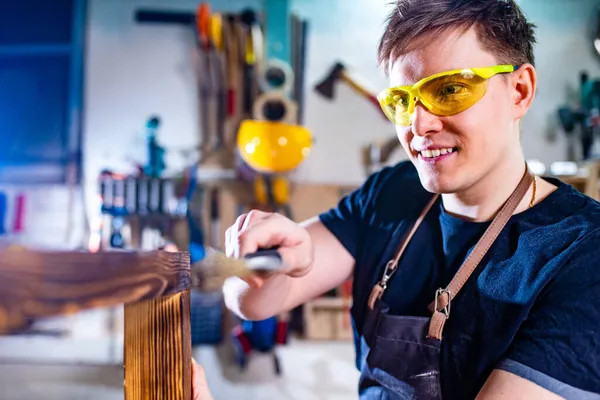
(205, 76)
(232, 55)
(252, 56)
(210, 273)
(3, 206)
(218, 74)
(339, 72)
(215, 215)
(299, 37)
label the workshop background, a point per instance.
(93, 93)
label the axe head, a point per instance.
(326, 87)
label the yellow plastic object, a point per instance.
(443, 94)
(273, 147)
(279, 187)
(216, 31)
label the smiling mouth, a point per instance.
(436, 153)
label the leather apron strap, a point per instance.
(443, 297)
(390, 267)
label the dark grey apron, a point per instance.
(403, 352)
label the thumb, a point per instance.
(200, 390)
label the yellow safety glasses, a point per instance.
(443, 94)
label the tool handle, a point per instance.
(265, 260)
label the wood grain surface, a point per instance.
(36, 284)
(158, 351)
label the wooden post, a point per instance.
(158, 351)
(155, 288)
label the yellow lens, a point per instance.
(395, 104)
(452, 94)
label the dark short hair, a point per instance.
(501, 25)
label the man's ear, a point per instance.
(524, 84)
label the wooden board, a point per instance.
(37, 284)
(158, 351)
(154, 286)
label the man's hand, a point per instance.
(200, 390)
(258, 229)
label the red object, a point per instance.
(19, 223)
(281, 333)
(202, 24)
(230, 102)
(347, 288)
(240, 335)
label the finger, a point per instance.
(239, 222)
(253, 216)
(229, 248)
(231, 236)
(267, 233)
(242, 223)
(200, 390)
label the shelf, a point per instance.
(332, 303)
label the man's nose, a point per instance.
(423, 122)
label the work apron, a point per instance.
(403, 352)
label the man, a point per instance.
(521, 318)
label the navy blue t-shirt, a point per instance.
(532, 307)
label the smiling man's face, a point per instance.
(453, 153)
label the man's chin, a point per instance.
(439, 184)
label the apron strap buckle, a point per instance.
(443, 302)
(380, 287)
(439, 317)
(390, 268)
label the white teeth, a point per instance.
(436, 152)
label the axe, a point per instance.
(339, 72)
(375, 154)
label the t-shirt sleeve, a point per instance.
(558, 345)
(348, 221)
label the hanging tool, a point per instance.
(299, 39)
(253, 36)
(219, 80)
(205, 76)
(339, 72)
(156, 153)
(232, 55)
(3, 207)
(374, 155)
(215, 231)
